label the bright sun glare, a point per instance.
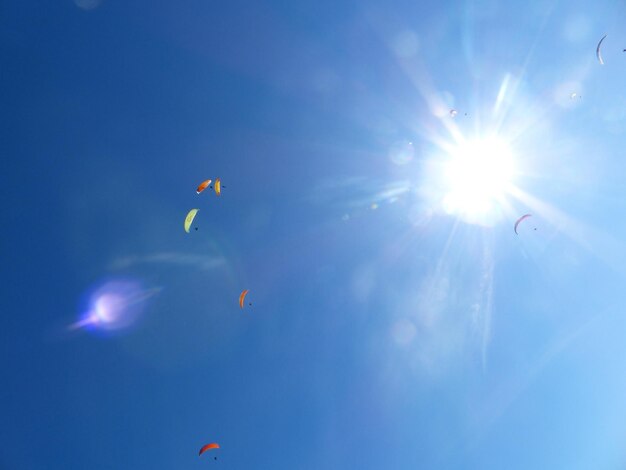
(477, 177)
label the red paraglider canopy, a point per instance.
(212, 445)
(202, 186)
(242, 297)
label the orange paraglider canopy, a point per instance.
(203, 186)
(212, 445)
(242, 297)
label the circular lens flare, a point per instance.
(114, 305)
(109, 308)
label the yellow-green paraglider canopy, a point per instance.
(189, 219)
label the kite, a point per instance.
(189, 219)
(203, 186)
(599, 52)
(525, 216)
(212, 445)
(242, 297)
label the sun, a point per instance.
(477, 175)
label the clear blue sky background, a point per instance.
(396, 337)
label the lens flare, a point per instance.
(114, 306)
(477, 175)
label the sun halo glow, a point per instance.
(477, 176)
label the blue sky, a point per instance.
(389, 328)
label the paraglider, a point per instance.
(242, 297)
(525, 216)
(453, 112)
(218, 186)
(599, 52)
(189, 219)
(204, 448)
(203, 186)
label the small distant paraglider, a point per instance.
(599, 51)
(453, 113)
(217, 186)
(574, 95)
(242, 297)
(204, 448)
(189, 219)
(525, 216)
(203, 186)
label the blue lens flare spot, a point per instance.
(114, 305)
